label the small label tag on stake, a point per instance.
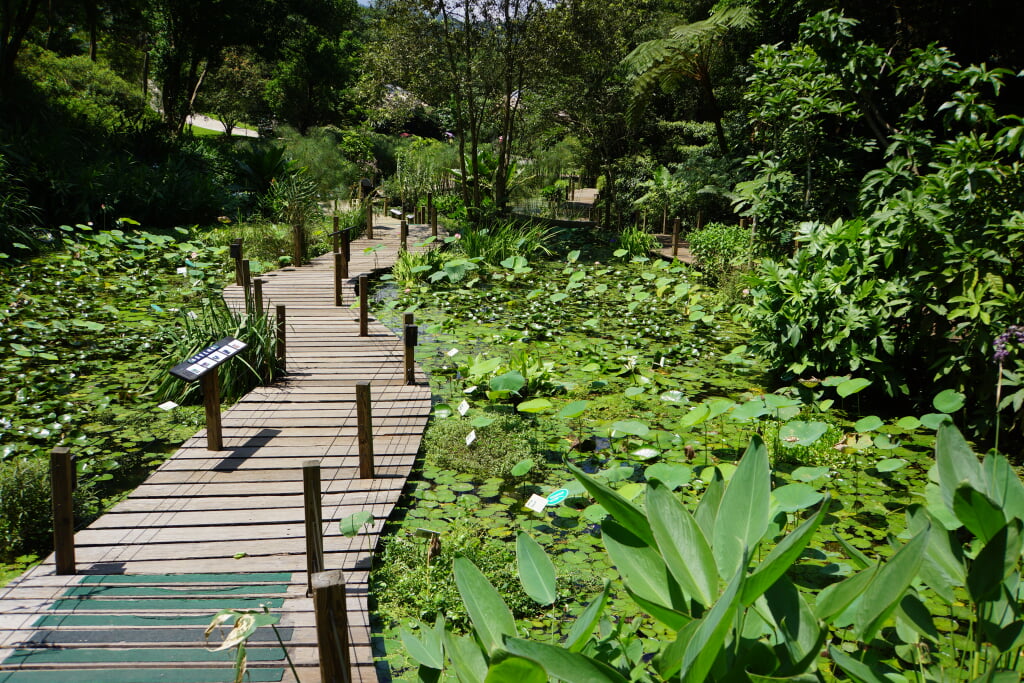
(182, 270)
(463, 408)
(536, 503)
(470, 390)
(167, 405)
(471, 437)
(452, 352)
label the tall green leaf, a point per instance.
(705, 645)
(563, 664)
(516, 670)
(857, 671)
(707, 509)
(979, 513)
(586, 622)
(802, 634)
(956, 463)
(624, 512)
(682, 544)
(888, 585)
(743, 514)
(491, 617)
(994, 563)
(468, 659)
(642, 568)
(536, 572)
(783, 555)
(428, 649)
(1004, 486)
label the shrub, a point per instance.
(719, 248)
(26, 515)
(255, 365)
(407, 584)
(501, 240)
(496, 450)
(635, 241)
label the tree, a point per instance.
(689, 53)
(234, 91)
(16, 17)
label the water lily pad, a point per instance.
(645, 453)
(801, 433)
(443, 410)
(631, 490)
(614, 474)
(674, 397)
(594, 514)
(522, 468)
(933, 420)
(852, 386)
(481, 421)
(890, 464)
(809, 474)
(510, 381)
(671, 475)
(634, 392)
(948, 401)
(630, 428)
(537, 405)
(794, 497)
(748, 411)
(868, 424)
(571, 410)
(908, 422)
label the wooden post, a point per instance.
(235, 250)
(298, 250)
(369, 219)
(700, 220)
(403, 235)
(364, 314)
(675, 238)
(411, 339)
(346, 247)
(311, 496)
(337, 236)
(430, 208)
(364, 420)
(281, 349)
(408, 319)
(664, 221)
(61, 487)
(247, 285)
(257, 294)
(433, 221)
(339, 278)
(332, 626)
(210, 383)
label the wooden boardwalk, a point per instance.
(225, 529)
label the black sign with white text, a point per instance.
(207, 359)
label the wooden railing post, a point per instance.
(297, 245)
(433, 221)
(403, 235)
(257, 294)
(364, 420)
(332, 626)
(62, 487)
(210, 383)
(247, 285)
(336, 236)
(339, 279)
(675, 238)
(369, 218)
(311, 500)
(364, 314)
(411, 339)
(281, 347)
(235, 250)
(346, 247)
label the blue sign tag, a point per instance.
(558, 496)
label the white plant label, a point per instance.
(469, 390)
(463, 408)
(182, 270)
(536, 503)
(471, 437)
(168, 405)
(452, 352)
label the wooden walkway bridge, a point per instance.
(225, 529)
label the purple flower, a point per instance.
(1013, 333)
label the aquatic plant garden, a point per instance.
(692, 522)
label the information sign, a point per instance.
(558, 496)
(207, 359)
